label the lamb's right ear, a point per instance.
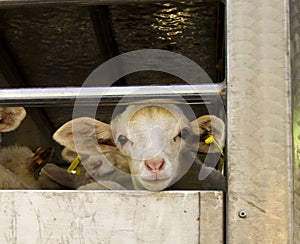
(209, 125)
(11, 117)
(86, 135)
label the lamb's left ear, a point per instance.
(85, 135)
(207, 126)
(11, 117)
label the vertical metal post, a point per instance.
(259, 204)
(104, 33)
(295, 76)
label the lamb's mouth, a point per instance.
(154, 178)
(156, 185)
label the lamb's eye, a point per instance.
(122, 139)
(1, 120)
(185, 133)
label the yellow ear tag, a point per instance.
(210, 140)
(74, 168)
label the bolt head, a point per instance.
(242, 214)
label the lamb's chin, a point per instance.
(156, 185)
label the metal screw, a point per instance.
(243, 214)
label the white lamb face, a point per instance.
(151, 137)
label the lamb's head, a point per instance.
(99, 166)
(91, 140)
(152, 138)
(11, 117)
(104, 168)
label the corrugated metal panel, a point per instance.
(259, 122)
(187, 28)
(57, 46)
(52, 46)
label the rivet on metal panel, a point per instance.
(243, 214)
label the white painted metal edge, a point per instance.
(110, 217)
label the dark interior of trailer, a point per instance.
(59, 45)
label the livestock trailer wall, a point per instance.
(259, 122)
(258, 206)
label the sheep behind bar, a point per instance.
(17, 163)
(154, 141)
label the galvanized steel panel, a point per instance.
(187, 28)
(259, 122)
(110, 217)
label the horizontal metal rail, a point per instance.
(204, 93)
(22, 3)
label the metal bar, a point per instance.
(23, 3)
(220, 57)
(9, 68)
(108, 95)
(103, 30)
(295, 76)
